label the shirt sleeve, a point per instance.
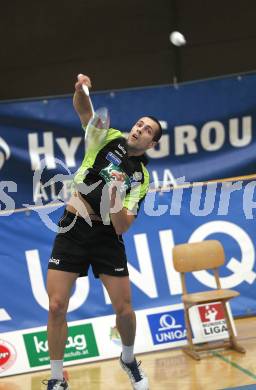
(133, 200)
(96, 137)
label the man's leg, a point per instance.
(119, 291)
(59, 284)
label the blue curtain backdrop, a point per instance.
(208, 134)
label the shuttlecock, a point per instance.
(177, 39)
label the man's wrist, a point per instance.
(113, 197)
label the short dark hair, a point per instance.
(159, 133)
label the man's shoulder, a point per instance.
(114, 134)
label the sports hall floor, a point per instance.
(168, 370)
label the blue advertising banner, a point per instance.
(224, 212)
(208, 134)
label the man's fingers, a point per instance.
(83, 79)
(78, 86)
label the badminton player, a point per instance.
(110, 185)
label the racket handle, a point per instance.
(85, 89)
(84, 86)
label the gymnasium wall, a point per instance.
(120, 44)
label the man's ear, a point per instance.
(152, 144)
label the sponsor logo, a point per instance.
(137, 176)
(7, 355)
(211, 312)
(167, 327)
(115, 336)
(168, 322)
(119, 269)
(4, 152)
(113, 158)
(212, 319)
(118, 153)
(55, 261)
(122, 148)
(115, 173)
(81, 344)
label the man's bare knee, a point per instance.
(57, 307)
(123, 308)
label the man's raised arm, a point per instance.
(82, 103)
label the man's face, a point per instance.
(142, 133)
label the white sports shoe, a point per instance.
(137, 377)
(54, 384)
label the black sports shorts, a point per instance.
(83, 245)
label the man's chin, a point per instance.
(131, 143)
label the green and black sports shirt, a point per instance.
(107, 159)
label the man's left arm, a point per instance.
(124, 211)
(120, 216)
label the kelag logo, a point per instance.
(167, 327)
(81, 344)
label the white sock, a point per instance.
(127, 353)
(57, 369)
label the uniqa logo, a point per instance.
(168, 322)
(5, 152)
(170, 331)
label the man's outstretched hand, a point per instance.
(82, 79)
(81, 100)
